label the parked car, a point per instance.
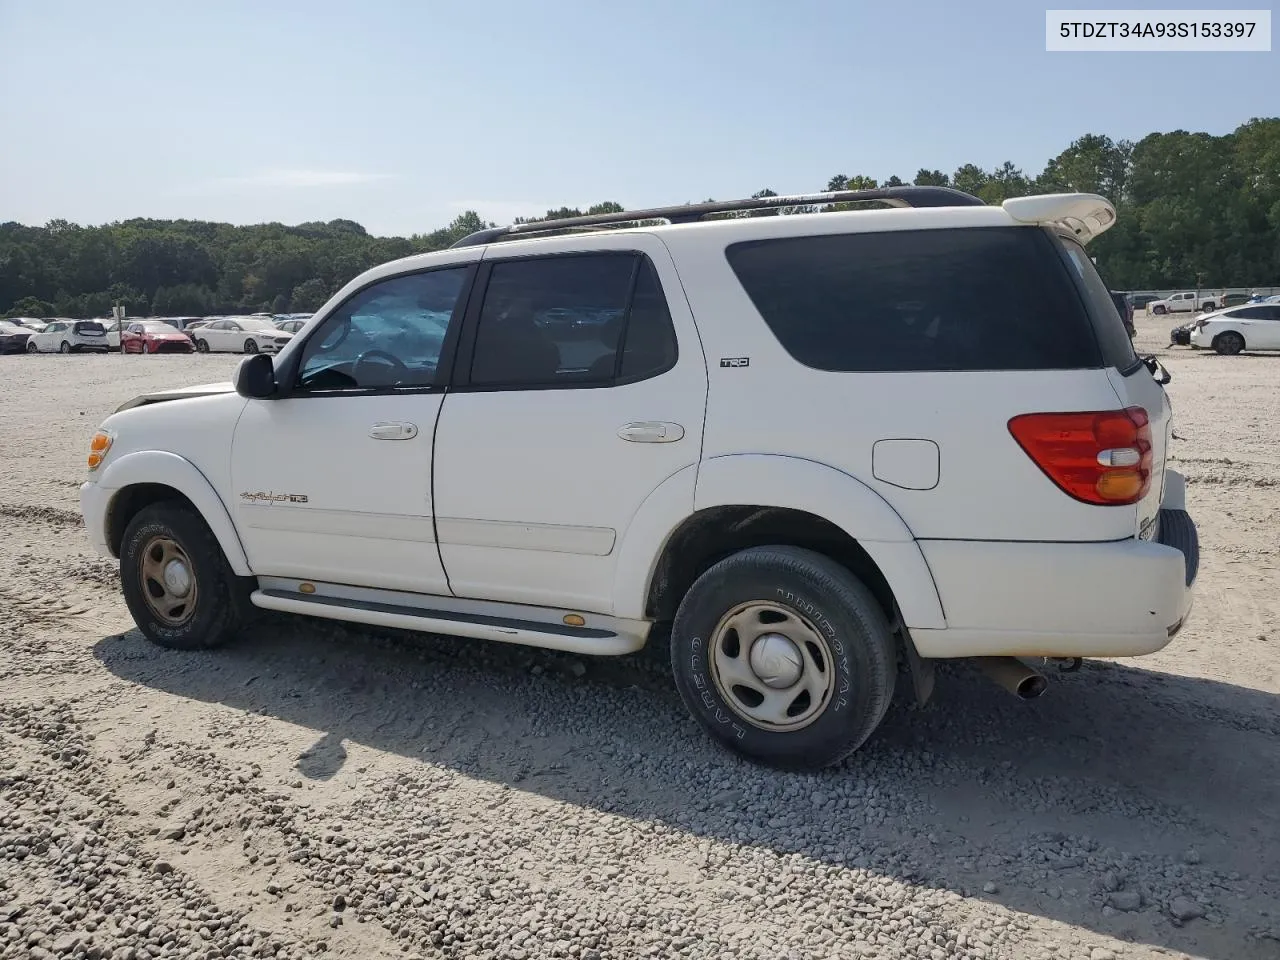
(1125, 309)
(154, 336)
(69, 336)
(290, 326)
(13, 337)
(1001, 493)
(1252, 327)
(240, 335)
(1183, 303)
(1233, 300)
(30, 323)
(1141, 300)
(113, 327)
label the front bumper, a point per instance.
(1119, 599)
(94, 503)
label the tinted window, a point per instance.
(972, 299)
(1112, 338)
(388, 335)
(1251, 313)
(561, 320)
(649, 347)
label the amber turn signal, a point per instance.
(98, 448)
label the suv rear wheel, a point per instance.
(178, 586)
(784, 656)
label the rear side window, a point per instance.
(573, 321)
(992, 298)
(1113, 339)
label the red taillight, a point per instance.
(1102, 457)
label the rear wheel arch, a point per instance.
(751, 500)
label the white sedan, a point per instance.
(1255, 326)
(240, 335)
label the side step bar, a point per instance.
(590, 641)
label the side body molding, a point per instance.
(171, 470)
(787, 482)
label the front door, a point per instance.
(332, 481)
(580, 388)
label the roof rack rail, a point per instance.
(693, 212)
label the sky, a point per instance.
(400, 115)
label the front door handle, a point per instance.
(651, 431)
(393, 430)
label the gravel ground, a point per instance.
(318, 790)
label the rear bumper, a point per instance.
(1119, 599)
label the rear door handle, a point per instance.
(651, 431)
(393, 430)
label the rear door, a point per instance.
(1268, 328)
(580, 388)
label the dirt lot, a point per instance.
(319, 790)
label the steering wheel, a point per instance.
(398, 366)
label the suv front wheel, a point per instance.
(177, 583)
(784, 656)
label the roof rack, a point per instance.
(693, 212)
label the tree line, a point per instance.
(1195, 210)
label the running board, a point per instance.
(591, 641)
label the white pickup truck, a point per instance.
(814, 448)
(1184, 303)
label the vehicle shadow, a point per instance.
(1163, 786)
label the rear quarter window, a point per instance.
(991, 298)
(1113, 338)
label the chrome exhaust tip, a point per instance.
(1014, 675)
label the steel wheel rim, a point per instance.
(771, 666)
(168, 582)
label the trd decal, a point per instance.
(735, 361)
(273, 497)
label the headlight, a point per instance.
(98, 448)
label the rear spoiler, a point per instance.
(1084, 215)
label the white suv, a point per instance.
(814, 446)
(69, 336)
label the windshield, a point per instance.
(90, 326)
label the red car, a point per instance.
(153, 336)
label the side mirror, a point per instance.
(256, 377)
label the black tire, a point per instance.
(32, 348)
(220, 608)
(1209, 307)
(250, 345)
(1158, 311)
(65, 348)
(821, 594)
(202, 346)
(1229, 343)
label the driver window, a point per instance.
(387, 335)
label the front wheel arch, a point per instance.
(147, 476)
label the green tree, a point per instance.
(931, 178)
(309, 296)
